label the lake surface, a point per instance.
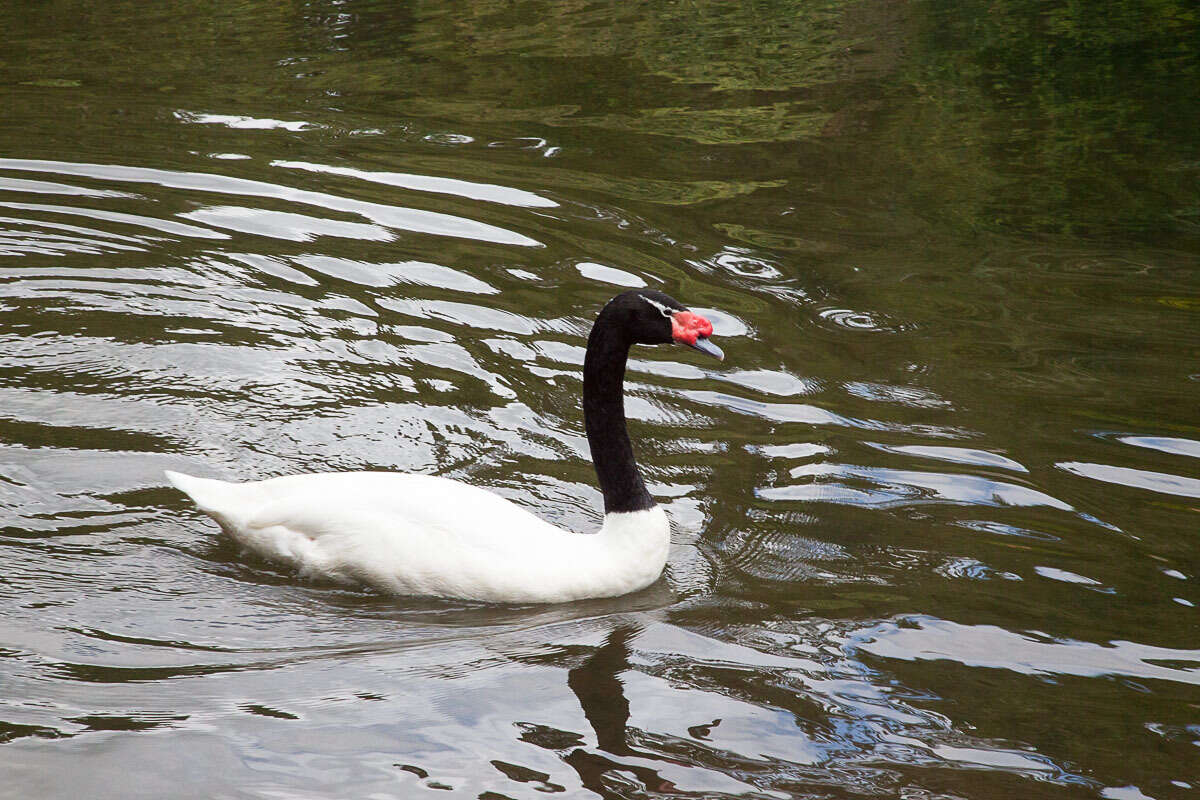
(935, 518)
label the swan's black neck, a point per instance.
(604, 418)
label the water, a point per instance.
(934, 516)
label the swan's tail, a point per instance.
(218, 499)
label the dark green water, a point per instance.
(935, 517)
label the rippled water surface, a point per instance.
(934, 518)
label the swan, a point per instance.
(412, 534)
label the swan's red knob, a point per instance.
(687, 327)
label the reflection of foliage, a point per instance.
(774, 123)
(1048, 115)
(766, 44)
(1063, 116)
(760, 44)
(682, 69)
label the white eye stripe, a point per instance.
(666, 312)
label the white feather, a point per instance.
(423, 535)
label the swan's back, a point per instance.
(424, 535)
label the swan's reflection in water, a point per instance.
(597, 684)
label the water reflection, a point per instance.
(1031, 653)
(597, 683)
(489, 192)
(1139, 478)
(409, 219)
(886, 487)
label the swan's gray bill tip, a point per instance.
(707, 347)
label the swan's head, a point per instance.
(651, 317)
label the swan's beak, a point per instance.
(693, 330)
(708, 348)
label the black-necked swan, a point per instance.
(424, 535)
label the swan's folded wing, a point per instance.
(463, 545)
(389, 512)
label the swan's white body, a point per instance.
(423, 535)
